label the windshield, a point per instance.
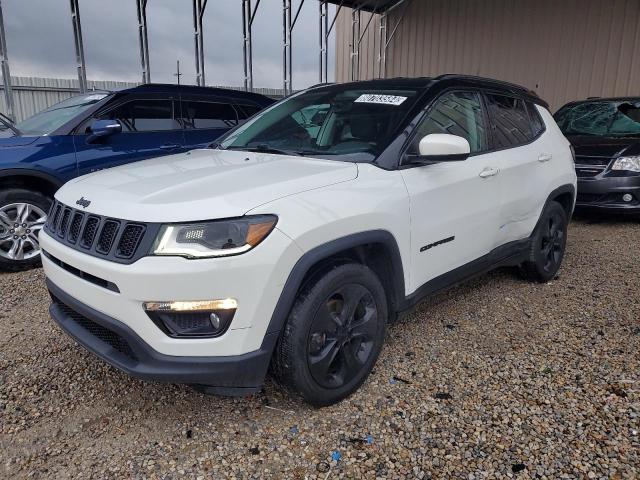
(54, 117)
(340, 122)
(605, 118)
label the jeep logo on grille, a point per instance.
(83, 202)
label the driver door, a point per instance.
(149, 129)
(455, 205)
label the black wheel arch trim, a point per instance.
(27, 172)
(326, 250)
(563, 189)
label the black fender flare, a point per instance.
(27, 172)
(568, 188)
(326, 250)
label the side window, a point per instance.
(457, 113)
(246, 111)
(144, 115)
(537, 124)
(511, 126)
(200, 115)
(312, 118)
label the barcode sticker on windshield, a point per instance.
(382, 99)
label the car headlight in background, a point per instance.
(219, 238)
(630, 164)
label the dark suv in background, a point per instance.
(99, 130)
(605, 133)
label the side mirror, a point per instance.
(103, 128)
(443, 147)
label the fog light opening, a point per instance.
(179, 319)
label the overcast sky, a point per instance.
(40, 41)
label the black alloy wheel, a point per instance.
(333, 335)
(553, 242)
(548, 244)
(342, 335)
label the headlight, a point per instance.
(218, 238)
(630, 164)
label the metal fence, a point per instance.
(33, 94)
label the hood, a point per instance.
(9, 139)
(200, 185)
(595, 146)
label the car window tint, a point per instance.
(144, 115)
(208, 115)
(511, 126)
(456, 113)
(537, 124)
(246, 111)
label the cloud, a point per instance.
(40, 41)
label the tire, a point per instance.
(548, 245)
(322, 357)
(19, 247)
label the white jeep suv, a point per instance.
(294, 239)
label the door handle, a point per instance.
(488, 172)
(169, 146)
(545, 157)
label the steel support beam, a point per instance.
(286, 45)
(248, 15)
(288, 24)
(323, 41)
(143, 39)
(77, 39)
(6, 75)
(386, 38)
(355, 45)
(325, 32)
(199, 7)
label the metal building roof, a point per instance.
(368, 5)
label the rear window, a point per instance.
(537, 124)
(201, 115)
(246, 111)
(510, 121)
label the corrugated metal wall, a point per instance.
(32, 94)
(563, 49)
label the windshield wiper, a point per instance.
(265, 149)
(9, 123)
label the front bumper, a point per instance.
(118, 345)
(605, 194)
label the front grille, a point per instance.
(129, 241)
(108, 238)
(102, 333)
(89, 232)
(64, 222)
(592, 161)
(74, 230)
(588, 197)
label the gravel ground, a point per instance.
(496, 378)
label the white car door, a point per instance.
(524, 159)
(455, 205)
